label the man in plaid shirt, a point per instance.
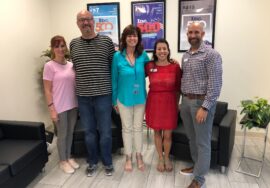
(200, 86)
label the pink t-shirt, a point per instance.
(63, 85)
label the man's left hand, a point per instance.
(201, 116)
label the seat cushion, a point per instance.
(79, 131)
(19, 153)
(179, 135)
(116, 117)
(4, 173)
(116, 132)
(1, 134)
(221, 110)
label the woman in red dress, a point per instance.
(162, 100)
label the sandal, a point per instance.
(140, 163)
(168, 165)
(128, 165)
(160, 165)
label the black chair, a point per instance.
(78, 144)
(23, 152)
(222, 140)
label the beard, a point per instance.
(87, 28)
(194, 41)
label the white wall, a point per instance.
(241, 36)
(25, 32)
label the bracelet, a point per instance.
(49, 105)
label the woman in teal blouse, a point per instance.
(128, 92)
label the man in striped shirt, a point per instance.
(200, 86)
(92, 55)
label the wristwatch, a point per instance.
(205, 109)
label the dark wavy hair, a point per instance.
(55, 41)
(132, 30)
(155, 58)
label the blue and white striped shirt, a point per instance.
(202, 74)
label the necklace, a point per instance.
(129, 60)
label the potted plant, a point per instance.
(257, 113)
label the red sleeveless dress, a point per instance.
(161, 104)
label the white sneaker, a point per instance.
(73, 163)
(66, 167)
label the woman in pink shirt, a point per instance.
(59, 87)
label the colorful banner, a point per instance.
(106, 16)
(150, 18)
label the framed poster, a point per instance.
(196, 10)
(149, 16)
(107, 22)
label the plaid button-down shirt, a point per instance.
(202, 74)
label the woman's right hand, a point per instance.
(116, 109)
(54, 115)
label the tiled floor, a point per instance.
(53, 177)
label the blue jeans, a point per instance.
(95, 114)
(199, 136)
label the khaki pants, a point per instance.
(132, 127)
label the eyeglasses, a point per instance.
(85, 19)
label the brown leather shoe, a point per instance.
(187, 171)
(194, 184)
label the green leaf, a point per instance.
(257, 112)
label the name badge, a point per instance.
(186, 60)
(153, 70)
(136, 89)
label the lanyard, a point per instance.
(133, 65)
(135, 70)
